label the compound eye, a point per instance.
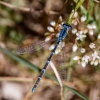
(67, 26)
(70, 26)
(64, 25)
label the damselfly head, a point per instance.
(67, 26)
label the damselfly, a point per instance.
(62, 35)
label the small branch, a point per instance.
(26, 9)
(14, 7)
(18, 79)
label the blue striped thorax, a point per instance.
(64, 31)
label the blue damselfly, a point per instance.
(64, 31)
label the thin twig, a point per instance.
(14, 7)
(18, 79)
(26, 9)
(63, 7)
(61, 11)
(22, 79)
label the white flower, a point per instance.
(61, 45)
(83, 64)
(89, 26)
(99, 36)
(60, 26)
(92, 45)
(91, 32)
(92, 62)
(82, 50)
(85, 31)
(96, 62)
(51, 29)
(76, 58)
(47, 39)
(93, 26)
(57, 51)
(57, 35)
(80, 36)
(60, 18)
(99, 60)
(85, 58)
(95, 56)
(51, 47)
(72, 10)
(83, 18)
(74, 21)
(74, 48)
(79, 62)
(75, 15)
(74, 30)
(53, 23)
(62, 23)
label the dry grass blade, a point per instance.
(58, 77)
(18, 79)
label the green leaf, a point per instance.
(77, 93)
